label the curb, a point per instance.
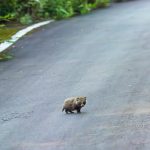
(21, 33)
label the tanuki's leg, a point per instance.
(66, 111)
(79, 110)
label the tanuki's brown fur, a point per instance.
(74, 103)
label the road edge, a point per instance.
(21, 33)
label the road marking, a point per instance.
(21, 33)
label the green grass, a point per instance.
(4, 56)
(6, 31)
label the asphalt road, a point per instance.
(105, 56)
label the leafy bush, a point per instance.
(27, 10)
(26, 19)
(65, 8)
(58, 8)
(82, 7)
(7, 10)
(30, 7)
(14, 9)
(7, 17)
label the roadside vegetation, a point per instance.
(4, 56)
(25, 12)
(9, 29)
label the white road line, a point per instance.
(21, 33)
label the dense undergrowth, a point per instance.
(25, 11)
